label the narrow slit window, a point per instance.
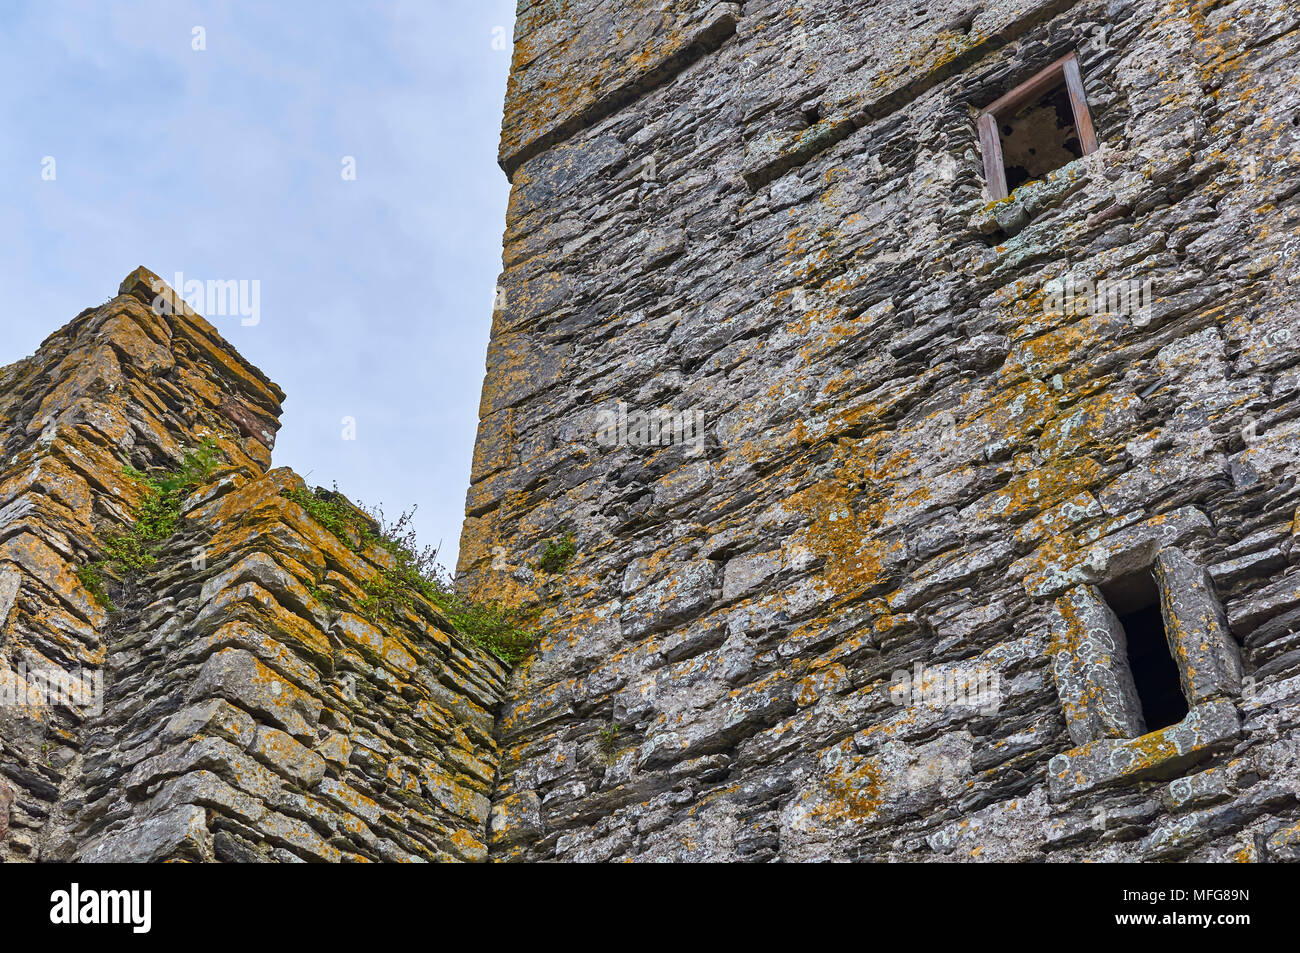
(1041, 125)
(1135, 600)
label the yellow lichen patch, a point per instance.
(34, 557)
(1029, 493)
(1057, 350)
(1079, 429)
(469, 846)
(854, 791)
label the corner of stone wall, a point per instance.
(236, 704)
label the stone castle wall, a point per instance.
(915, 452)
(835, 447)
(236, 706)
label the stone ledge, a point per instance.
(560, 93)
(1010, 215)
(1205, 730)
(1131, 548)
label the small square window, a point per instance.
(1039, 126)
(1136, 652)
(1145, 668)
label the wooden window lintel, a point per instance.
(1065, 70)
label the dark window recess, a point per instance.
(1136, 601)
(1039, 139)
(1041, 125)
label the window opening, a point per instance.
(1041, 125)
(1135, 599)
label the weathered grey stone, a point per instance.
(262, 569)
(336, 749)
(516, 819)
(209, 754)
(216, 717)
(207, 790)
(744, 574)
(6, 804)
(10, 580)
(1284, 844)
(453, 794)
(1090, 665)
(287, 757)
(1209, 661)
(298, 837)
(1273, 600)
(1200, 789)
(180, 833)
(1171, 750)
(241, 678)
(1128, 551)
(669, 600)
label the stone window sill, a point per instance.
(1158, 755)
(1011, 214)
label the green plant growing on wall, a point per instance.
(134, 548)
(556, 555)
(332, 511)
(613, 740)
(607, 743)
(92, 580)
(507, 632)
(323, 596)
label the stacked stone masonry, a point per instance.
(918, 451)
(921, 467)
(239, 707)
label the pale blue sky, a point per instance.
(225, 163)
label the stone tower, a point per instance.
(912, 519)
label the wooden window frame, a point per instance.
(1066, 70)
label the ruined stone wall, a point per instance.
(238, 705)
(916, 452)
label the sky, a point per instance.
(340, 155)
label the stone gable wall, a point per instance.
(240, 707)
